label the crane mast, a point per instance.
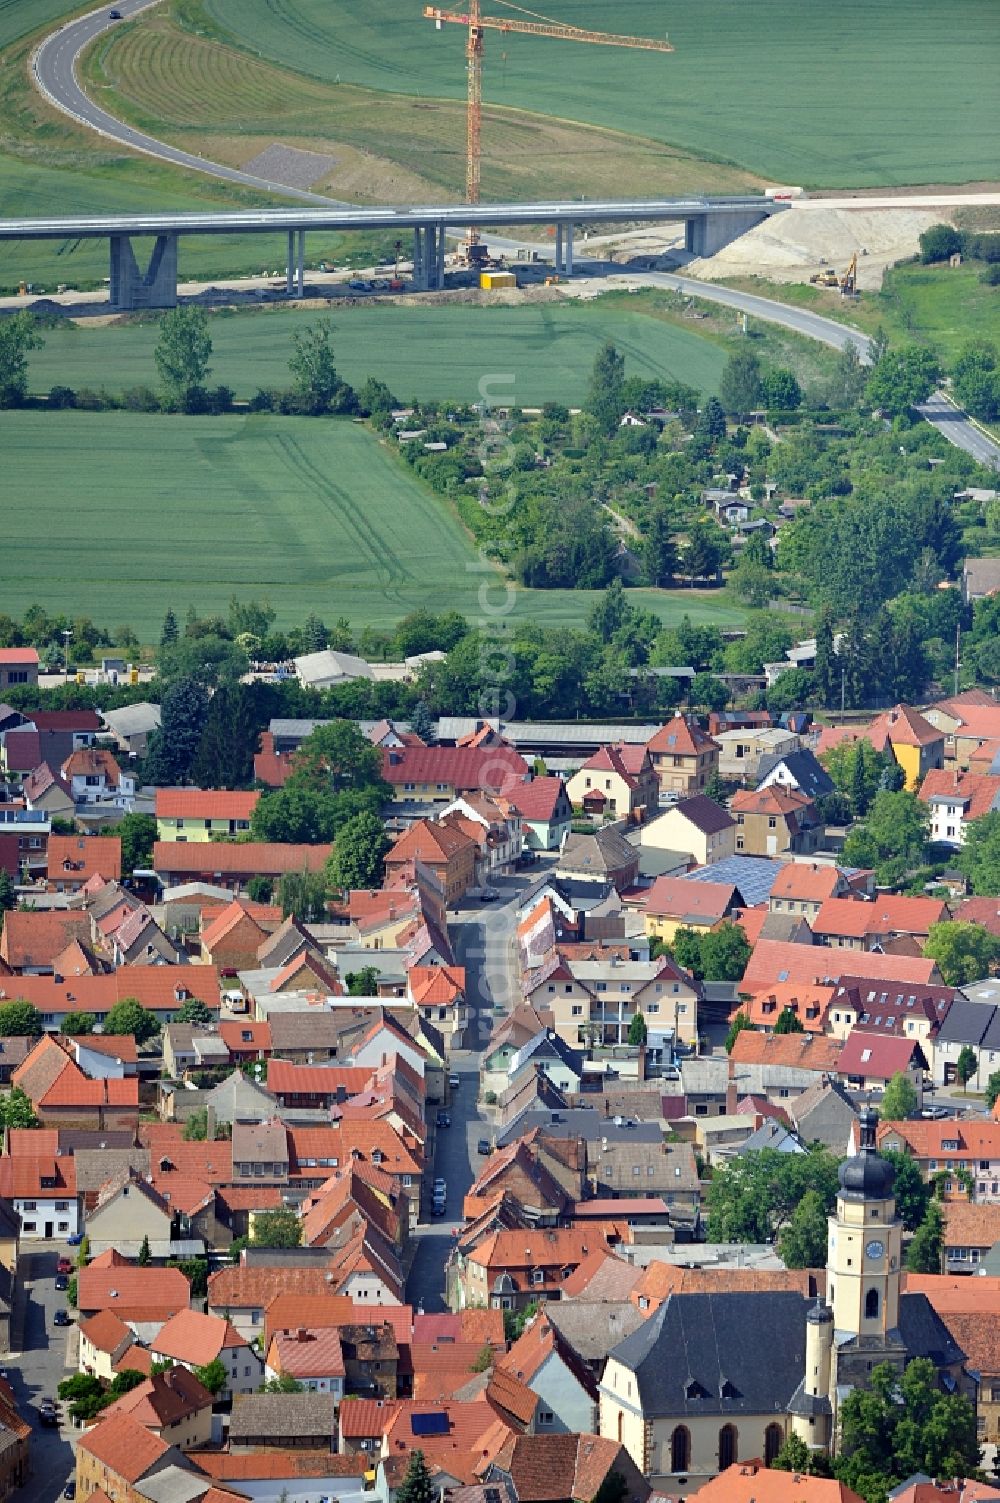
(476, 25)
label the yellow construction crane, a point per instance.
(537, 26)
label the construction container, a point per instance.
(492, 281)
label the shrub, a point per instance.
(264, 399)
(991, 276)
(221, 399)
(140, 399)
(62, 396)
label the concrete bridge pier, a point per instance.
(564, 250)
(704, 234)
(156, 287)
(428, 258)
(295, 264)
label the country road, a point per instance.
(54, 68)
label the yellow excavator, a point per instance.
(848, 283)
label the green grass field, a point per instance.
(798, 90)
(127, 514)
(433, 352)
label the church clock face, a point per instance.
(875, 1249)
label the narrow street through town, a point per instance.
(484, 937)
(38, 1364)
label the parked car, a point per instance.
(483, 1146)
(48, 1414)
(528, 858)
(934, 1113)
(74, 1241)
(443, 1120)
(439, 1208)
(64, 1265)
(490, 895)
(62, 1282)
(69, 1491)
(113, 15)
(440, 1188)
(454, 1081)
(61, 1318)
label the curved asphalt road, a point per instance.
(53, 67)
(54, 70)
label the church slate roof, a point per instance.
(924, 1333)
(718, 1354)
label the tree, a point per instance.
(260, 889)
(422, 722)
(283, 1383)
(896, 1426)
(795, 1456)
(849, 379)
(196, 1126)
(725, 952)
(416, 1486)
(788, 1022)
(192, 1010)
(963, 952)
(892, 838)
(182, 719)
(660, 557)
(229, 737)
(899, 1099)
(979, 857)
(169, 632)
(130, 1017)
(910, 1189)
(314, 370)
(484, 1359)
(137, 833)
(18, 337)
(207, 658)
(736, 1027)
(708, 692)
(16, 1109)
(145, 1254)
(902, 379)
(8, 894)
(182, 354)
(705, 551)
(359, 853)
(637, 1031)
(975, 381)
(781, 391)
(18, 1019)
(803, 1242)
(740, 383)
(85, 1395)
(605, 399)
(754, 1197)
(992, 1090)
(363, 983)
(77, 1025)
(966, 1065)
(938, 243)
(302, 895)
(276, 1229)
(213, 1376)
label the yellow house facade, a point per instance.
(197, 815)
(697, 827)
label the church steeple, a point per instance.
(865, 1244)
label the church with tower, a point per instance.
(718, 1376)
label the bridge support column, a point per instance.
(290, 265)
(300, 265)
(439, 268)
(156, 287)
(568, 256)
(559, 248)
(419, 258)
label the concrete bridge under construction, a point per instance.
(710, 223)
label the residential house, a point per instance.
(847, 924)
(194, 1340)
(801, 770)
(967, 1152)
(916, 745)
(128, 1212)
(804, 886)
(31, 941)
(604, 859)
(242, 1292)
(600, 997)
(173, 1405)
(684, 757)
(697, 827)
(810, 1005)
(24, 838)
(755, 1482)
(314, 1359)
(546, 1468)
(548, 1054)
(232, 864)
(93, 777)
(114, 1456)
(773, 820)
(564, 1385)
(869, 1006)
(968, 1025)
(232, 936)
(201, 814)
(143, 1298)
(46, 793)
(970, 1230)
(287, 1421)
(955, 799)
(440, 774)
(42, 1193)
(868, 1061)
(439, 992)
(545, 810)
(511, 1269)
(617, 781)
(105, 1343)
(131, 726)
(449, 853)
(74, 859)
(741, 751)
(18, 665)
(824, 1113)
(772, 960)
(495, 825)
(673, 903)
(623, 1170)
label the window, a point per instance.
(773, 1441)
(871, 1305)
(576, 1011)
(728, 1444)
(680, 1449)
(652, 1007)
(546, 1417)
(537, 1276)
(772, 823)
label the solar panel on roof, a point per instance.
(429, 1424)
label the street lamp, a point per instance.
(66, 634)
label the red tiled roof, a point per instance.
(18, 657)
(231, 1035)
(155, 986)
(106, 1330)
(252, 857)
(283, 1076)
(440, 984)
(124, 1446)
(204, 803)
(903, 726)
(426, 840)
(305, 1353)
(806, 881)
(876, 1055)
(35, 938)
(673, 897)
(80, 856)
(800, 1051)
(888, 914)
(771, 800)
(123, 1287)
(460, 767)
(681, 737)
(73, 1088)
(362, 1418)
(537, 800)
(275, 1464)
(776, 960)
(21, 1178)
(194, 1338)
(980, 789)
